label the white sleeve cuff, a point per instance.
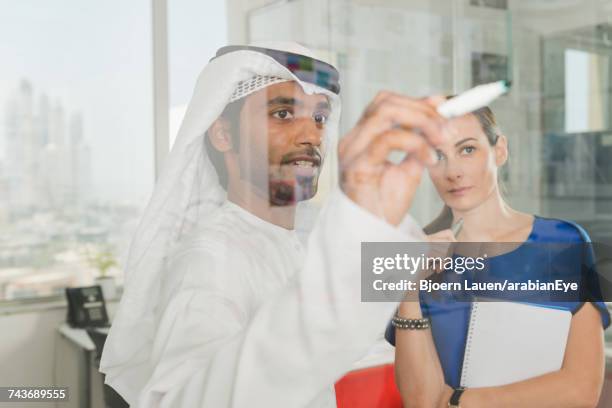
(366, 227)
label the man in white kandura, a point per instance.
(222, 306)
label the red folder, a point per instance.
(372, 387)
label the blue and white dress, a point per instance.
(555, 249)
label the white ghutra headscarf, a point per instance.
(186, 191)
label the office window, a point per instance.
(76, 139)
(586, 99)
(196, 29)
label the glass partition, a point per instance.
(557, 53)
(415, 50)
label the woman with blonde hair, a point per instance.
(430, 350)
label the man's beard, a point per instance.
(296, 178)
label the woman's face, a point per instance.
(465, 174)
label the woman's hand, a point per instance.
(441, 247)
(442, 236)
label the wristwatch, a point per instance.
(454, 399)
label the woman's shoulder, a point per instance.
(547, 229)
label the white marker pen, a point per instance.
(473, 99)
(466, 102)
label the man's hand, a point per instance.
(391, 122)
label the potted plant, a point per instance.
(103, 260)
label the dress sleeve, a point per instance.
(209, 352)
(590, 288)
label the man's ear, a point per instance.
(501, 151)
(219, 135)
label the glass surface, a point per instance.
(556, 116)
(407, 47)
(76, 137)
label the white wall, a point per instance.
(27, 348)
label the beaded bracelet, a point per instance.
(410, 324)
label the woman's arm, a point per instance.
(577, 384)
(418, 371)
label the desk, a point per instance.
(76, 368)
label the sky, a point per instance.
(96, 58)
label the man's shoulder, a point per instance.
(211, 244)
(208, 260)
(215, 230)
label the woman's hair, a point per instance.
(487, 121)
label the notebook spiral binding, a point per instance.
(468, 346)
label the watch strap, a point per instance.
(454, 399)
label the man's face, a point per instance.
(281, 141)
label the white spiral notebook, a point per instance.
(509, 342)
